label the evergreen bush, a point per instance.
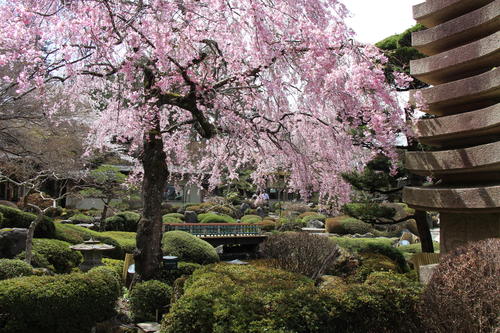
(16, 218)
(11, 268)
(146, 298)
(188, 247)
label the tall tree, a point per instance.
(276, 84)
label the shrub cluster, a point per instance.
(167, 218)
(231, 298)
(11, 268)
(188, 247)
(301, 253)
(58, 304)
(251, 219)
(463, 294)
(15, 218)
(123, 221)
(146, 298)
(54, 254)
(343, 225)
(81, 218)
(215, 218)
(183, 269)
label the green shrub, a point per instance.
(183, 269)
(343, 225)
(15, 218)
(81, 218)
(171, 219)
(115, 264)
(215, 218)
(11, 268)
(316, 216)
(188, 247)
(268, 225)
(1, 218)
(37, 260)
(234, 298)
(356, 244)
(385, 302)
(148, 297)
(373, 262)
(124, 242)
(124, 221)
(57, 253)
(57, 304)
(176, 215)
(251, 219)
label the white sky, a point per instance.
(373, 20)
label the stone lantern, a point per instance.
(92, 253)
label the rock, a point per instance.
(190, 216)
(243, 208)
(66, 221)
(357, 236)
(12, 242)
(260, 211)
(219, 249)
(315, 224)
(86, 225)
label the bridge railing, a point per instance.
(215, 229)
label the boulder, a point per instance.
(315, 224)
(243, 208)
(190, 216)
(260, 211)
(12, 242)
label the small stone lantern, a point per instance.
(92, 253)
(170, 262)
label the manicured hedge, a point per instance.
(11, 268)
(81, 218)
(57, 253)
(124, 242)
(124, 221)
(188, 247)
(215, 218)
(231, 298)
(251, 219)
(15, 218)
(58, 304)
(343, 225)
(171, 219)
(148, 297)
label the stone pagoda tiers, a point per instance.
(462, 43)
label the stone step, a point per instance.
(473, 199)
(461, 62)
(475, 127)
(463, 95)
(434, 12)
(459, 31)
(483, 159)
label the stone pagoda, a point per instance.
(462, 44)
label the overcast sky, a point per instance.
(373, 20)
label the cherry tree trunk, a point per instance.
(149, 232)
(424, 231)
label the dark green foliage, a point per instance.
(37, 260)
(357, 244)
(148, 297)
(373, 262)
(215, 218)
(81, 219)
(171, 219)
(124, 221)
(463, 294)
(58, 304)
(188, 248)
(388, 251)
(1, 218)
(115, 264)
(176, 215)
(236, 299)
(15, 218)
(368, 212)
(316, 216)
(11, 268)
(57, 253)
(385, 302)
(398, 50)
(183, 269)
(124, 242)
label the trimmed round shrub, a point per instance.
(235, 298)
(346, 225)
(171, 219)
(251, 219)
(124, 221)
(188, 247)
(176, 215)
(15, 218)
(372, 262)
(58, 304)
(316, 216)
(268, 225)
(114, 264)
(215, 218)
(463, 294)
(388, 251)
(148, 297)
(183, 269)
(57, 253)
(81, 219)
(11, 268)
